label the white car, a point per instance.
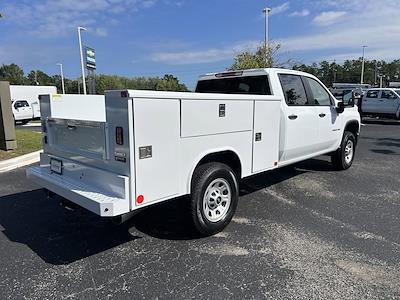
(381, 103)
(22, 111)
(140, 148)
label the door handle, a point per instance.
(322, 115)
(292, 117)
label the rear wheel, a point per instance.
(214, 197)
(343, 157)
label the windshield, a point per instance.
(255, 85)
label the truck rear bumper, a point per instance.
(85, 195)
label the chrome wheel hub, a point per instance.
(217, 200)
(349, 151)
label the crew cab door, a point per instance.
(370, 102)
(300, 123)
(389, 102)
(328, 128)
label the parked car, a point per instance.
(22, 111)
(381, 102)
(142, 148)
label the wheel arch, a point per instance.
(354, 127)
(226, 156)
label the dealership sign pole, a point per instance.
(90, 62)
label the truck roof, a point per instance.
(248, 72)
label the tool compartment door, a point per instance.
(157, 149)
(266, 135)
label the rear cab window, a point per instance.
(373, 94)
(293, 89)
(21, 103)
(254, 85)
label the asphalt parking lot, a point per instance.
(304, 232)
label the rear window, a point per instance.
(372, 94)
(23, 103)
(255, 85)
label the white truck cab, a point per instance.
(142, 147)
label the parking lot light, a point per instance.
(362, 64)
(266, 11)
(62, 77)
(81, 53)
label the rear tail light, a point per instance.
(119, 136)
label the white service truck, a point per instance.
(140, 148)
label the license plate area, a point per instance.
(56, 166)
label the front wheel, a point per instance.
(342, 158)
(214, 197)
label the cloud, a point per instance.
(50, 18)
(341, 41)
(300, 13)
(279, 9)
(202, 56)
(101, 32)
(329, 17)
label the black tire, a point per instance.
(203, 177)
(339, 158)
(24, 122)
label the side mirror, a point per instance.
(340, 107)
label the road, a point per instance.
(304, 232)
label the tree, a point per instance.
(262, 57)
(170, 83)
(39, 78)
(12, 73)
(109, 82)
(350, 71)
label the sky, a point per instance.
(191, 37)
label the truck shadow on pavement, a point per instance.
(61, 237)
(56, 235)
(170, 220)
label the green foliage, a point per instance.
(41, 77)
(12, 73)
(350, 71)
(112, 82)
(262, 57)
(15, 75)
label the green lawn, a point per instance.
(27, 141)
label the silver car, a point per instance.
(381, 103)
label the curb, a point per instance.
(20, 161)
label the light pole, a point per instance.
(362, 65)
(62, 77)
(81, 52)
(266, 11)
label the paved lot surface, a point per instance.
(304, 232)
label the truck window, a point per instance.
(319, 95)
(372, 94)
(293, 89)
(254, 85)
(388, 95)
